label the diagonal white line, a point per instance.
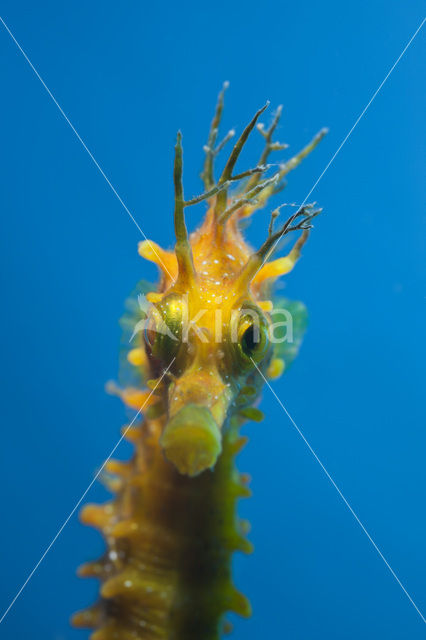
(84, 494)
(355, 124)
(361, 115)
(341, 494)
(85, 147)
(153, 249)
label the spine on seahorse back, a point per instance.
(169, 541)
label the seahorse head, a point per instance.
(209, 323)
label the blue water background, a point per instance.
(128, 75)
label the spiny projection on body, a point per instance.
(172, 526)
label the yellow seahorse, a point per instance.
(172, 527)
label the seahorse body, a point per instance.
(172, 526)
(169, 537)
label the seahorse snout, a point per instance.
(192, 440)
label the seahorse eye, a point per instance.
(163, 333)
(248, 340)
(253, 335)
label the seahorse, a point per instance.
(201, 349)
